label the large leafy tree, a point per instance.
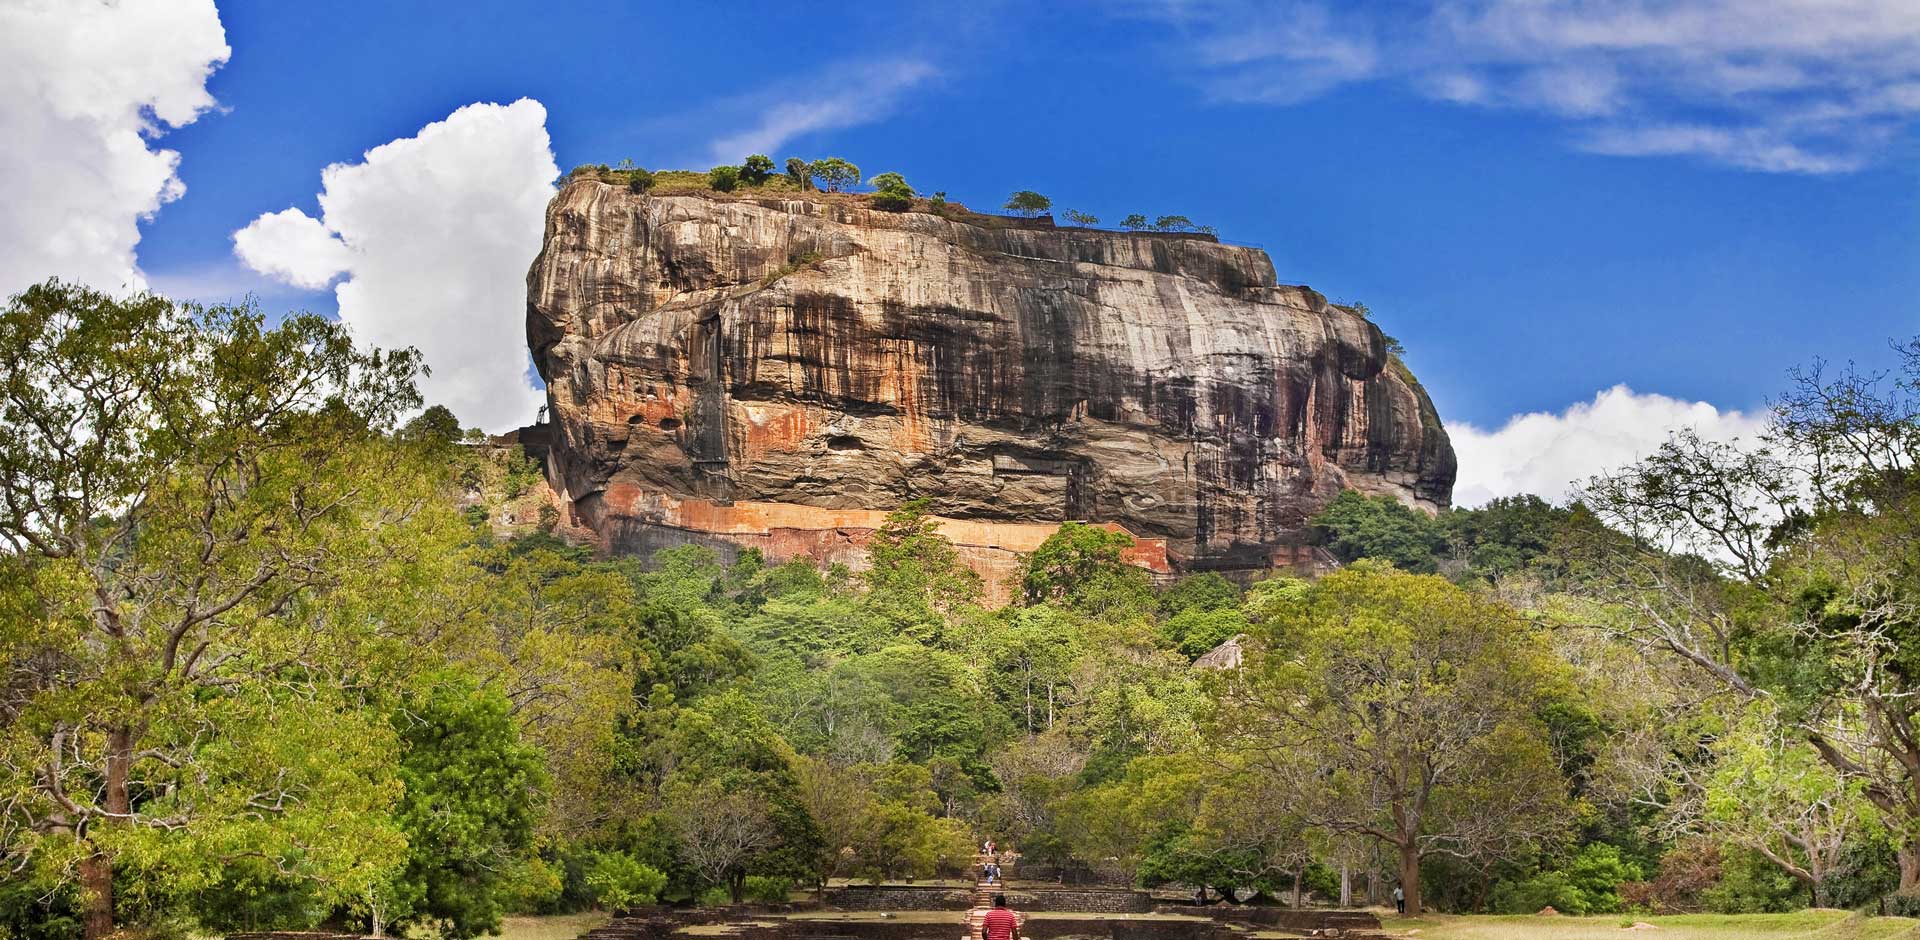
(211, 546)
(1413, 704)
(1787, 568)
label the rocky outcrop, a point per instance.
(782, 371)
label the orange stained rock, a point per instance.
(773, 428)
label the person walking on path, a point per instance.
(1399, 899)
(1000, 923)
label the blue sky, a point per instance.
(1539, 215)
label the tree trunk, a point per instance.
(96, 876)
(1410, 876)
(1346, 885)
(96, 871)
(1029, 700)
(1909, 855)
(1299, 884)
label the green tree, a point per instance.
(719, 831)
(437, 423)
(1172, 223)
(1082, 219)
(1787, 571)
(472, 796)
(1353, 527)
(723, 178)
(1413, 702)
(891, 192)
(207, 527)
(1134, 222)
(1772, 795)
(837, 799)
(1200, 612)
(800, 173)
(915, 579)
(1032, 658)
(1081, 565)
(1505, 535)
(834, 174)
(757, 169)
(1028, 203)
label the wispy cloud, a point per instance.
(868, 92)
(1795, 86)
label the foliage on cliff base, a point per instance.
(259, 673)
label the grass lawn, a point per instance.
(1804, 925)
(551, 927)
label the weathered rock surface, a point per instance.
(781, 372)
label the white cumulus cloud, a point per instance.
(431, 236)
(1550, 455)
(1795, 86)
(86, 86)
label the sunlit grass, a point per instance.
(550, 927)
(1802, 925)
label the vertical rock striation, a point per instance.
(781, 372)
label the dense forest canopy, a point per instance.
(269, 664)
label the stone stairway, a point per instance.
(983, 891)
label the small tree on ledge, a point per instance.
(1028, 203)
(1082, 219)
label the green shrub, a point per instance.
(639, 180)
(620, 881)
(723, 178)
(715, 896)
(1750, 884)
(1588, 883)
(767, 889)
(522, 473)
(1597, 873)
(1546, 889)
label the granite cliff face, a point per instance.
(782, 371)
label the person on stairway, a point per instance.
(1000, 923)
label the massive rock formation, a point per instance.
(782, 370)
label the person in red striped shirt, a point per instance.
(1000, 923)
